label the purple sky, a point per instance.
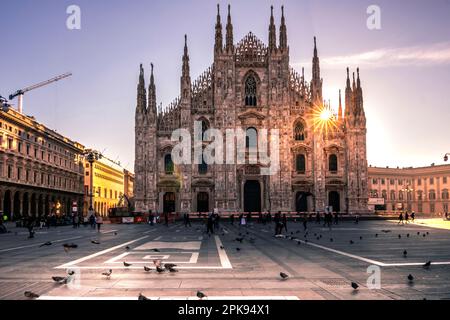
(405, 66)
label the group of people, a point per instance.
(405, 219)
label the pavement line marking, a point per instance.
(74, 262)
(157, 238)
(37, 245)
(225, 231)
(171, 298)
(147, 232)
(378, 263)
(344, 253)
(106, 232)
(140, 267)
(224, 261)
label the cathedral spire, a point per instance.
(283, 31)
(358, 80)
(340, 107)
(348, 95)
(272, 32)
(152, 93)
(185, 72)
(141, 93)
(219, 39)
(353, 83)
(229, 36)
(316, 63)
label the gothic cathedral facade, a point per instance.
(250, 85)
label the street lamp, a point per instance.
(91, 156)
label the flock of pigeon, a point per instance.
(171, 268)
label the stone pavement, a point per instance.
(321, 265)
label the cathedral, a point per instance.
(251, 85)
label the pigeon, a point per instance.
(360, 238)
(399, 236)
(222, 247)
(238, 249)
(68, 246)
(201, 295)
(95, 242)
(351, 242)
(427, 264)
(173, 270)
(240, 239)
(376, 235)
(318, 238)
(127, 248)
(126, 264)
(405, 253)
(159, 269)
(386, 231)
(71, 272)
(107, 273)
(283, 275)
(418, 233)
(115, 233)
(155, 250)
(331, 240)
(147, 269)
(48, 243)
(31, 295)
(142, 297)
(355, 286)
(428, 233)
(410, 277)
(292, 232)
(168, 266)
(407, 235)
(424, 235)
(58, 279)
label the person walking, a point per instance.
(242, 220)
(278, 223)
(166, 218)
(413, 216)
(285, 222)
(305, 224)
(30, 227)
(187, 220)
(269, 217)
(400, 218)
(318, 217)
(210, 224)
(232, 219)
(249, 217)
(357, 219)
(406, 217)
(99, 222)
(336, 218)
(151, 217)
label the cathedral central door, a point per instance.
(334, 201)
(301, 202)
(252, 196)
(169, 202)
(202, 202)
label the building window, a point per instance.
(333, 163)
(419, 182)
(384, 194)
(250, 91)
(168, 164)
(420, 195)
(420, 207)
(392, 182)
(400, 195)
(9, 171)
(392, 195)
(432, 208)
(431, 180)
(299, 131)
(444, 180)
(10, 143)
(19, 147)
(203, 167)
(300, 163)
(251, 139)
(374, 181)
(432, 195)
(383, 181)
(445, 194)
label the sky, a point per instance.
(404, 65)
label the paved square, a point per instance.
(321, 263)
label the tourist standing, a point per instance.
(99, 222)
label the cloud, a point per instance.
(427, 55)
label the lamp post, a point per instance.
(91, 156)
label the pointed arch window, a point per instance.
(203, 167)
(168, 164)
(299, 131)
(250, 91)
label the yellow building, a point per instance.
(107, 179)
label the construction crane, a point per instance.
(19, 93)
